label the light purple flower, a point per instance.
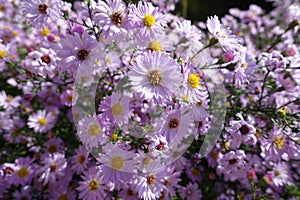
(80, 160)
(41, 12)
(156, 76)
(191, 192)
(54, 167)
(23, 172)
(92, 186)
(223, 35)
(41, 121)
(281, 174)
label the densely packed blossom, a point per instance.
(111, 99)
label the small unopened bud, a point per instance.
(251, 174)
(227, 57)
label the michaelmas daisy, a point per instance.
(156, 76)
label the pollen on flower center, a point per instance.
(52, 167)
(194, 171)
(279, 142)
(43, 8)
(93, 130)
(151, 179)
(154, 46)
(116, 109)
(276, 173)
(8, 99)
(148, 20)
(46, 59)
(2, 54)
(93, 185)
(116, 18)
(52, 149)
(154, 77)
(42, 121)
(80, 159)
(193, 80)
(63, 197)
(116, 163)
(23, 172)
(173, 123)
(44, 31)
(82, 54)
(2, 8)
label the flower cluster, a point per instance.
(110, 99)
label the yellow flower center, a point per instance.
(93, 185)
(276, 173)
(42, 121)
(23, 172)
(80, 159)
(9, 98)
(116, 109)
(114, 137)
(69, 98)
(148, 20)
(2, 54)
(193, 80)
(116, 163)
(154, 77)
(151, 179)
(2, 8)
(44, 32)
(154, 46)
(93, 130)
(279, 142)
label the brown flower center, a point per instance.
(151, 179)
(154, 77)
(116, 18)
(43, 8)
(244, 130)
(46, 59)
(82, 54)
(173, 123)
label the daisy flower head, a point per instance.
(281, 174)
(92, 186)
(194, 87)
(90, 131)
(9, 102)
(221, 34)
(158, 43)
(111, 16)
(80, 160)
(54, 167)
(41, 12)
(147, 19)
(41, 121)
(156, 76)
(79, 50)
(24, 171)
(116, 108)
(191, 191)
(118, 160)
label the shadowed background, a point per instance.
(199, 10)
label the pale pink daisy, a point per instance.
(9, 102)
(41, 121)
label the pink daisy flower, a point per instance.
(111, 16)
(147, 19)
(41, 121)
(156, 76)
(223, 35)
(92, 187)
(41, 12)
